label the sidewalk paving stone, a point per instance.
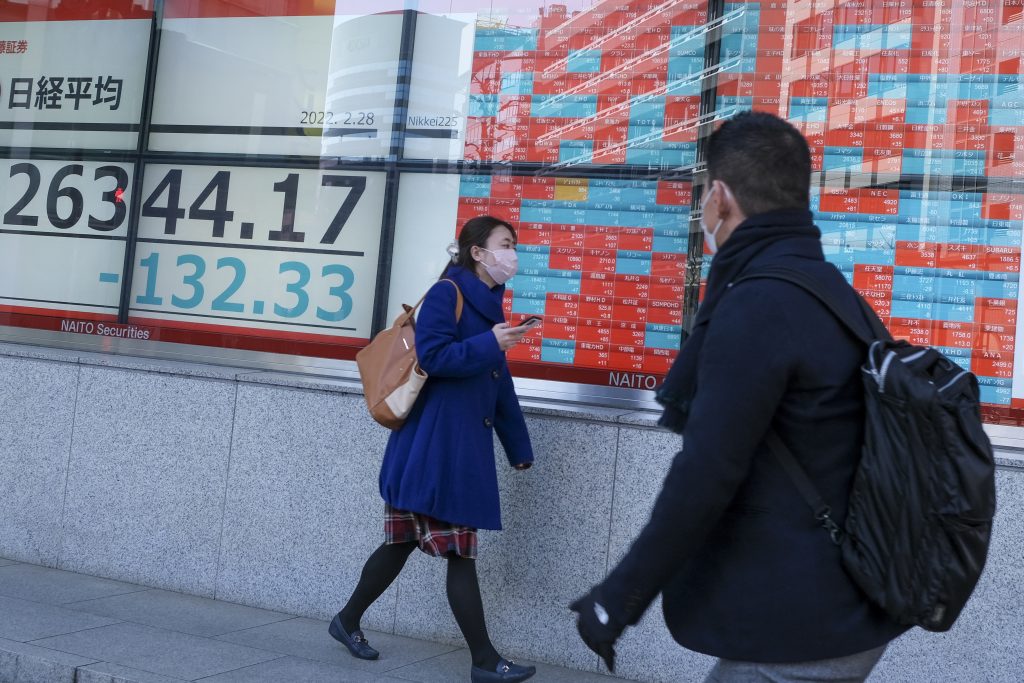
(180, 612)
(105, 672)
(296, 669)
(83, 629)
(25, 663)
(308, 639)
(24, 621)
(57, 587)
(157, 650)
(455, 666)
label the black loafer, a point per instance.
(507, 671)
(356, 643)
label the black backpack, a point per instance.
(918, 526)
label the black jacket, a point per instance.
(746, 571)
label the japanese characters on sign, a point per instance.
(60, 92)
(13, 47)
(54, 94)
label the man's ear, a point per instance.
(727, 200)
(715, 187)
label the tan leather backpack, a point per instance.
(389, 369)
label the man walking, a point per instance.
(747, 573)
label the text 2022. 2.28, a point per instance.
(344, 118)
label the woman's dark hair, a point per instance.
(475, 233)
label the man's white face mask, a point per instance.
(709, 235)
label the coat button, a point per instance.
(488, 423)
(495, 374)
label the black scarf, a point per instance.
(777, 232)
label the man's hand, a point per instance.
(597, 628)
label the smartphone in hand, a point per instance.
(530, 322)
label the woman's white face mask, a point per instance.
(709, 235)
(505, 266)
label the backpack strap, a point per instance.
(793, 468)
(411, 311)
(808, 491)
(458, 299)
(808, 284)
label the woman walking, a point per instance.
(438, 478)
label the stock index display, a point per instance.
(912, 109)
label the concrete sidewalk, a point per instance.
(61, 627)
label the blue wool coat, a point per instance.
(441, 462)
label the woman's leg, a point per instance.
(468, 608)
(379, 572)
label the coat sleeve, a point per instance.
(744, 366)
(510, 424)
(438, 348)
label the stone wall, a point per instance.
(261, 488)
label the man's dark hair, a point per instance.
(764, 160)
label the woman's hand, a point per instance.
(507, 335)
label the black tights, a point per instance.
(468, 608)
(379, 572)
(384, 566)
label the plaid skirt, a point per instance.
(433, 536)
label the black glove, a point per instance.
(598, 629)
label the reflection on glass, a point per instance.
(884, 88)
(904, 103)
(573, 84)
(55, 93)
(439, 88)
(307, 78)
